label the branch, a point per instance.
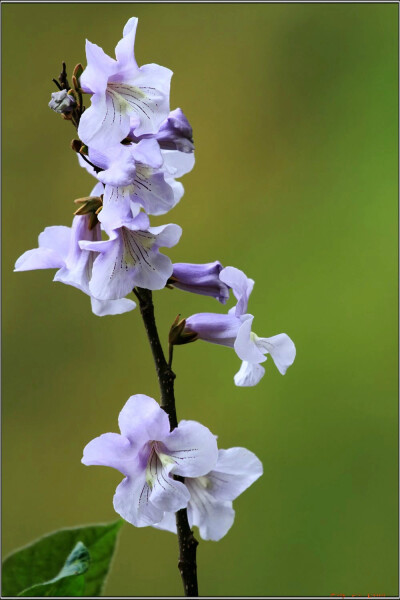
(186, 540)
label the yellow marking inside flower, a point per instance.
(154, 466)
(143, 172)
(204, 482)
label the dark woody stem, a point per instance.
(186, 540)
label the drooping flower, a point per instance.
(120, 90)
(234, 330)
(148, 454)
(131, 258)
(59, 249)
(200, 279)
(211, 495)
(175, 133)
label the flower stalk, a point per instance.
(187, 542)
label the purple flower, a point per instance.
(211, 495)
(175, 133)
(120, 90)
(234, 330)
(131, 258)
(59, 249)
(148, 454)
(200, 279)
(62, 102)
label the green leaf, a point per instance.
(41, 561)
(69, 581)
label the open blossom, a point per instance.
(211, 495)
(148, 454)
(59, 249)
(234, 330)
(122, 90)
(138, 175)
(200, 279)
(131, 258)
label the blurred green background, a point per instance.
(294, 111)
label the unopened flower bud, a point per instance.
(62, 102)
(200, 279)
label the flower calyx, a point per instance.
(91, 206)
(179, 334)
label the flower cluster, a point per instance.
(149, 456)
(137, 149)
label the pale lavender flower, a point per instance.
(120, 90)
(62, 102)
(148, 454)
(175, 133)
(59, 249)
(138, 176)
(131, 258)
(211, 495)
(200, 279)
(234, 330)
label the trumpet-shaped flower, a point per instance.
(131, 258)
(200, 279)
(59, 249)
(234, 330)
(138, 175)
(211, 495)
(149, 454)
(120, 90)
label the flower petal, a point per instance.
(148, 95)
(167, 523)
(147, 152)
(124, 51)
(111, 450)
(167, 494)
(200, 279)
(178, 163)
(153, 272)
(99, 67)
(193, 448)
(38, 258)
(106, 122)
(213, 518)
(78, 264)
(121, 169)
(281, 348)
(142, 419)
(167, 235)
(249, 374)
(132, 502)
(116, 206)
(241, 285)
(154, 193)
(235, 471)
(56, 238)
(245, 346)
(215, 328)
(102, 308)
